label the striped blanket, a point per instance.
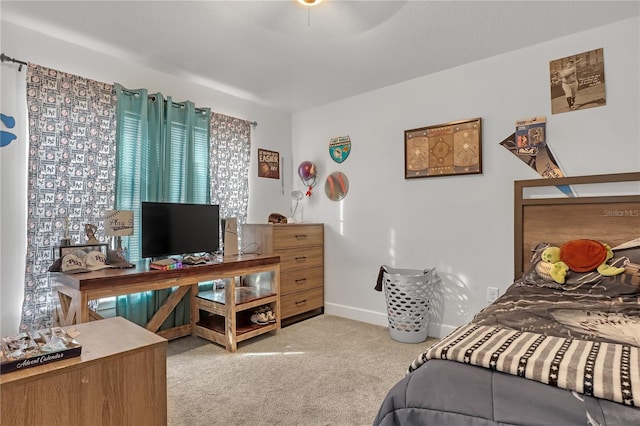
(600, 369)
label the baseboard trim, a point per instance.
(377, 318)
(364, 315)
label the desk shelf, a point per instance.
(215, 323)
(244, 296)
(223, 315)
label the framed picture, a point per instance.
(62, 251)
(577, 82)
(444, 149)
(268, 164)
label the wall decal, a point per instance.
(7, 137)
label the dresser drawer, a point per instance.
(291, 259)
(297, 236)
(301, 279)
(300, 302)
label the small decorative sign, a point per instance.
(268, 164)
(339, 148)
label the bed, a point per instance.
(545, 352)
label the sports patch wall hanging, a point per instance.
(339, 148)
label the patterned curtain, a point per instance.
(71, 173)
(163, 155)
(230, 153)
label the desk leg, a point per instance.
(82, 312)
(167, 307)
(68, 299)
(195, 311)
(230, 320)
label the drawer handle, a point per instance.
(301, 236)
(301, 281)
(301, 302)
(301, 259)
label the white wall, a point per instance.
(273, 131)
(13, 202)
(462, 225)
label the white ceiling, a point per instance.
(281, 54)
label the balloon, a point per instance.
(307, 170)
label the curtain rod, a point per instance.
(133, 92)
(5, 58)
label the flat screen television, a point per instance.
(179, 229)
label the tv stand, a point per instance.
(219, 315)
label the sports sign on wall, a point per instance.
(339, 148)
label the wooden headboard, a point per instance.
(612, 219)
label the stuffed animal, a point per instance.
(577, 256)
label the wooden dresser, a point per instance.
(301, 250)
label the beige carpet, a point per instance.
(323, 371)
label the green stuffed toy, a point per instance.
(577, 256)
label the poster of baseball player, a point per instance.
(577, 82)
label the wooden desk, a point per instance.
(75, 290)
(119, 379)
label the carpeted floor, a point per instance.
(326, 370)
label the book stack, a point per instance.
(164, 264)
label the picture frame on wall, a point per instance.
(446, 149)
(577, 82)
(268, 164)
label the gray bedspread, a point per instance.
(450, 393)
(542, 354)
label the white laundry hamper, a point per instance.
(407, 295)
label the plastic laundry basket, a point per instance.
(407, 295)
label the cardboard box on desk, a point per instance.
(230, 236)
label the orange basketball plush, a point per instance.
(583, 255)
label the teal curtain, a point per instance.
(162, 154)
